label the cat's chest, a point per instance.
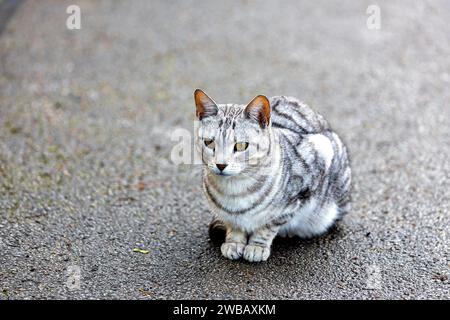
(236, 197)
(245, 203)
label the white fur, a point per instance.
(323, 145)
(308, 222)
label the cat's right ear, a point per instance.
(259, 110)
(206, 107)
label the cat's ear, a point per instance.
(259, 110)
(206, 107)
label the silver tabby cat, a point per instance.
(272, 167)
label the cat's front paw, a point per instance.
(256, 253)
(232, 250)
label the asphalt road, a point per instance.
(86, 118)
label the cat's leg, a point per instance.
(259, 243)
(235, 241)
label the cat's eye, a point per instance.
(209, 143)
(240, 146)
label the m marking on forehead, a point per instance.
(226, 124)
(229, 115)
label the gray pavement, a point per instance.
(86, 118)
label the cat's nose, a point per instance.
(221, 167)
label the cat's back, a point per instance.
(295, 118)
(324, 150)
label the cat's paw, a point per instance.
(232, 250)
(256, 253)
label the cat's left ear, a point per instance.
(206, 106)
(259, 110)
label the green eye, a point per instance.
(209, 143)
(240, 146)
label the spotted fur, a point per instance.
(293, 180)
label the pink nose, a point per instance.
(221, 167)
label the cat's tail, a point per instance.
(217, 231)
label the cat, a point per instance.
(271, 167)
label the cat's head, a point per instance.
(232, 138)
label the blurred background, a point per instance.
(86, 117)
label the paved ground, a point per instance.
(85, 124)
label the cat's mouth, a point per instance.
(223, 174)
